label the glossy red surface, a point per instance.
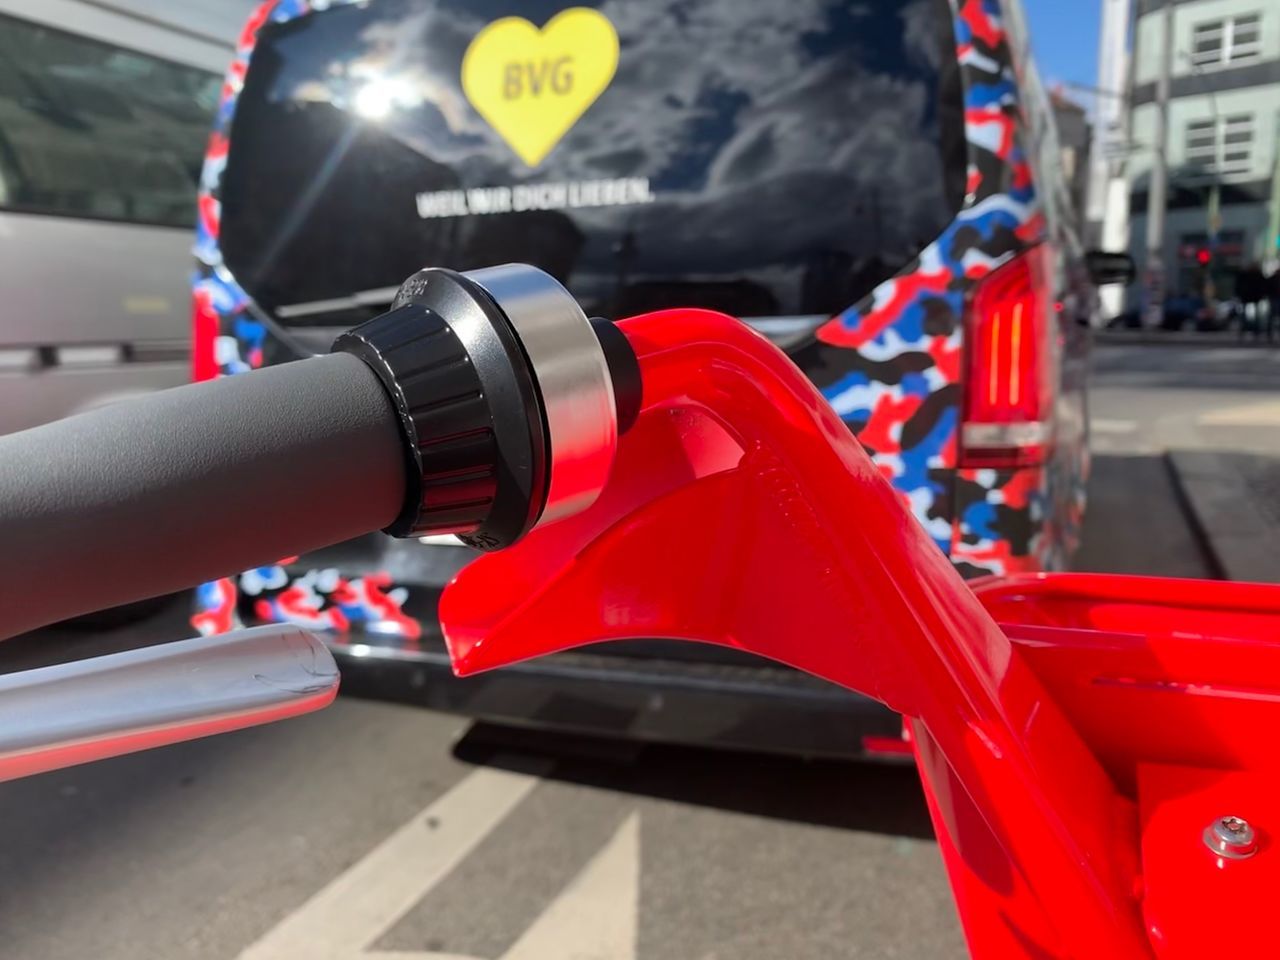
(1152, 670)
(204, 331)
(742, 512)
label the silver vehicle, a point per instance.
(104, 112)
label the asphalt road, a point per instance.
(373, 830)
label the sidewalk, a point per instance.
(1234, 500)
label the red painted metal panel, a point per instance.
(1057, 751)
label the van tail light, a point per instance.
(204, 333)
(1009, 385)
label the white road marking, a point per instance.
(597, 916)
(1102, 425)
(357, 907)
(1264, 414)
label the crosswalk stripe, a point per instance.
(344, 918)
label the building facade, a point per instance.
(1222, 139)
(1074, 139)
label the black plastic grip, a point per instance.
(470, 413)
(149, 496)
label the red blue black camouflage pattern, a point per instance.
(320, 599)
(890, 365)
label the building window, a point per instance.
(1220, 145)
(1234, 40)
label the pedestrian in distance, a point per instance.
(1251, 290)
(1273, 293)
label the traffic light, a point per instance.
(1203, 257)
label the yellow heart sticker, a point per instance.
(532, 85)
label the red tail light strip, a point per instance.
(1008, 398)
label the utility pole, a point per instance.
(1110, 105)
(1157, 193)
(1107, 219)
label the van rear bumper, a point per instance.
(761, 707)
(641, 690)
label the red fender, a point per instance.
(741, 511)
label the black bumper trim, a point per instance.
(763, 708)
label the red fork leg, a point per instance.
(742, 512)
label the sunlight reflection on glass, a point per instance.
(377, 98)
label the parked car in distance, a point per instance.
(1187, 311)
(875, 187)
(1184, 310)
(104, 114)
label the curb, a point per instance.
(1243, 541)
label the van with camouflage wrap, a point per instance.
(874, 186)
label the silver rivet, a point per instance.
(1231, 837)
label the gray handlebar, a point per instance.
(150, 496)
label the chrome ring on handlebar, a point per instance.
(573, 378)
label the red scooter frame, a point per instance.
(1096, 751)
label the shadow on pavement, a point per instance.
(1234, 498)
(872, 797)
(1137, 522)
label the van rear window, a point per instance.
(772, 158)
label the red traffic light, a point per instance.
(1203, 257)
